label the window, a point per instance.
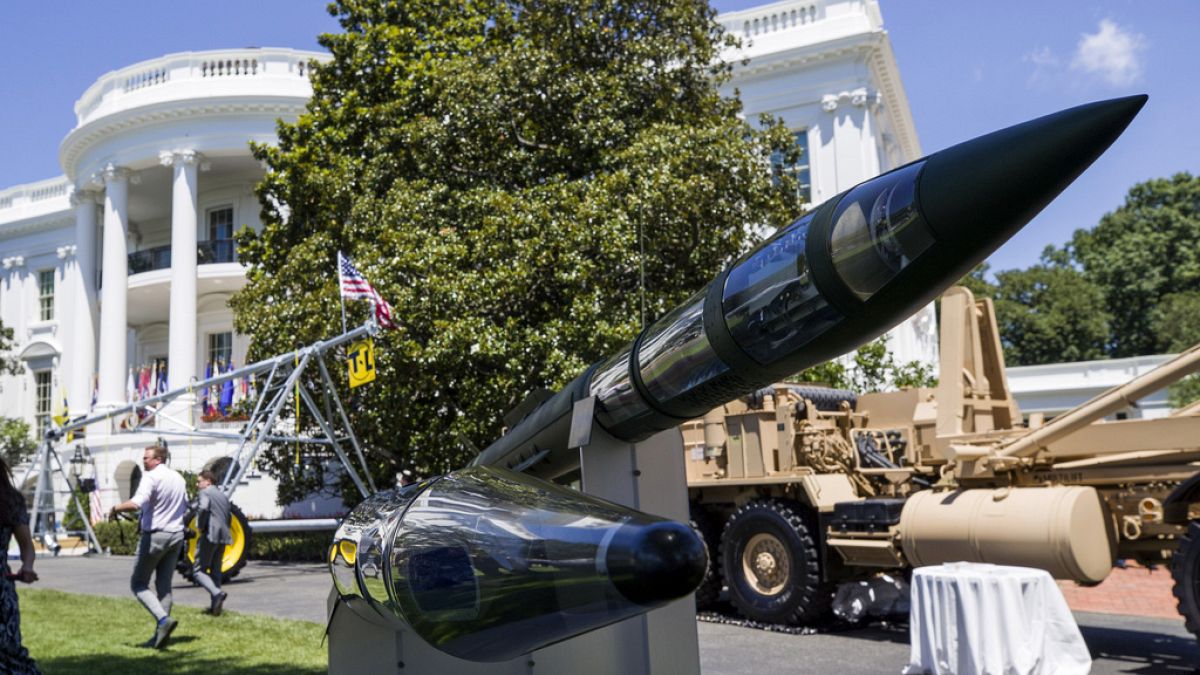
(220, 235)
(799, 170)
(41, 414)
(46, 295)
(220, 223)
(220, 352)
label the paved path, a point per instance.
(289, 590)
(1120, 644)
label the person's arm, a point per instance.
(136, 501)
(25, 542)
(203, 512)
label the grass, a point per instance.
(90, 635)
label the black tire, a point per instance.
(236, 554)
(772, 564)
(1185, 570)
(707, 525)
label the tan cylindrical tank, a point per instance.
(1062, 530)
(714, 428)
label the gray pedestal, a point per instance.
(648, 476)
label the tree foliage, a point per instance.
(1146, 250)
(1046, 313)
(16, 437)
(1127, 287)
(16, 441)
(522, 181)
(1049, 314)
(870, 368)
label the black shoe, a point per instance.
(163, 632)
(217, 601)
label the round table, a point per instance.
(981, 618)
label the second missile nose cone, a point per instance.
(651, 564)
(979, 193)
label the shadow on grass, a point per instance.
(154, 662)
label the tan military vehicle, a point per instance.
(800, 488)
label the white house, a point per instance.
(123, 265)
(126, 262)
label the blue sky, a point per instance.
(968, 68)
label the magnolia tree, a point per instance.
(527, 183)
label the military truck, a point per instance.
(799, 488)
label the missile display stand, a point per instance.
(647, 476)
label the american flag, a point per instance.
(356, 287)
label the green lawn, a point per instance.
(90, 635)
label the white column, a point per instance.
(182, 333)
(113, 359)
(81, 279)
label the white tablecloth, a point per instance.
(979, 618)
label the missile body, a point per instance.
(836, 278)
(486, 564)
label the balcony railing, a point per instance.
(217, 251)
(148, 260)
(159, 257)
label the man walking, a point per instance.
(212, 520)
(162, 498)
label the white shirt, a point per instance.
(162, 497)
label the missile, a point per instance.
(838, 277)
(486, 564)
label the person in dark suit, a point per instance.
(212, 520)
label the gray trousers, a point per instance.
(207, 568)
(157, 554)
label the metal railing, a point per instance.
(159, 257)
(150, 259)
(216, 251)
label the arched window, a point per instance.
(128, 475)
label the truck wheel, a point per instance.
(772, 564)
(705, 523)
(236, 553)
(1185, 569)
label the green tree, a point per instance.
(874, 369)
(16, 440)
(522, 181)
(976, 282)
(1049, 314)
(1176, 321)
(1144, 251)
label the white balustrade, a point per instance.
(772, 19)
(179, 70)
(229, 67)
(147, 78)
(29, 193)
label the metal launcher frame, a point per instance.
(281, 380)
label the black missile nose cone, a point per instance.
(977, 194)
(655, 563)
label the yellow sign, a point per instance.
(361, 360)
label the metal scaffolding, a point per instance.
(280, 380)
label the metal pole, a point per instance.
(312, 406)
(93, 542)
(231, 482)
(332, 390)
(43, 463)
